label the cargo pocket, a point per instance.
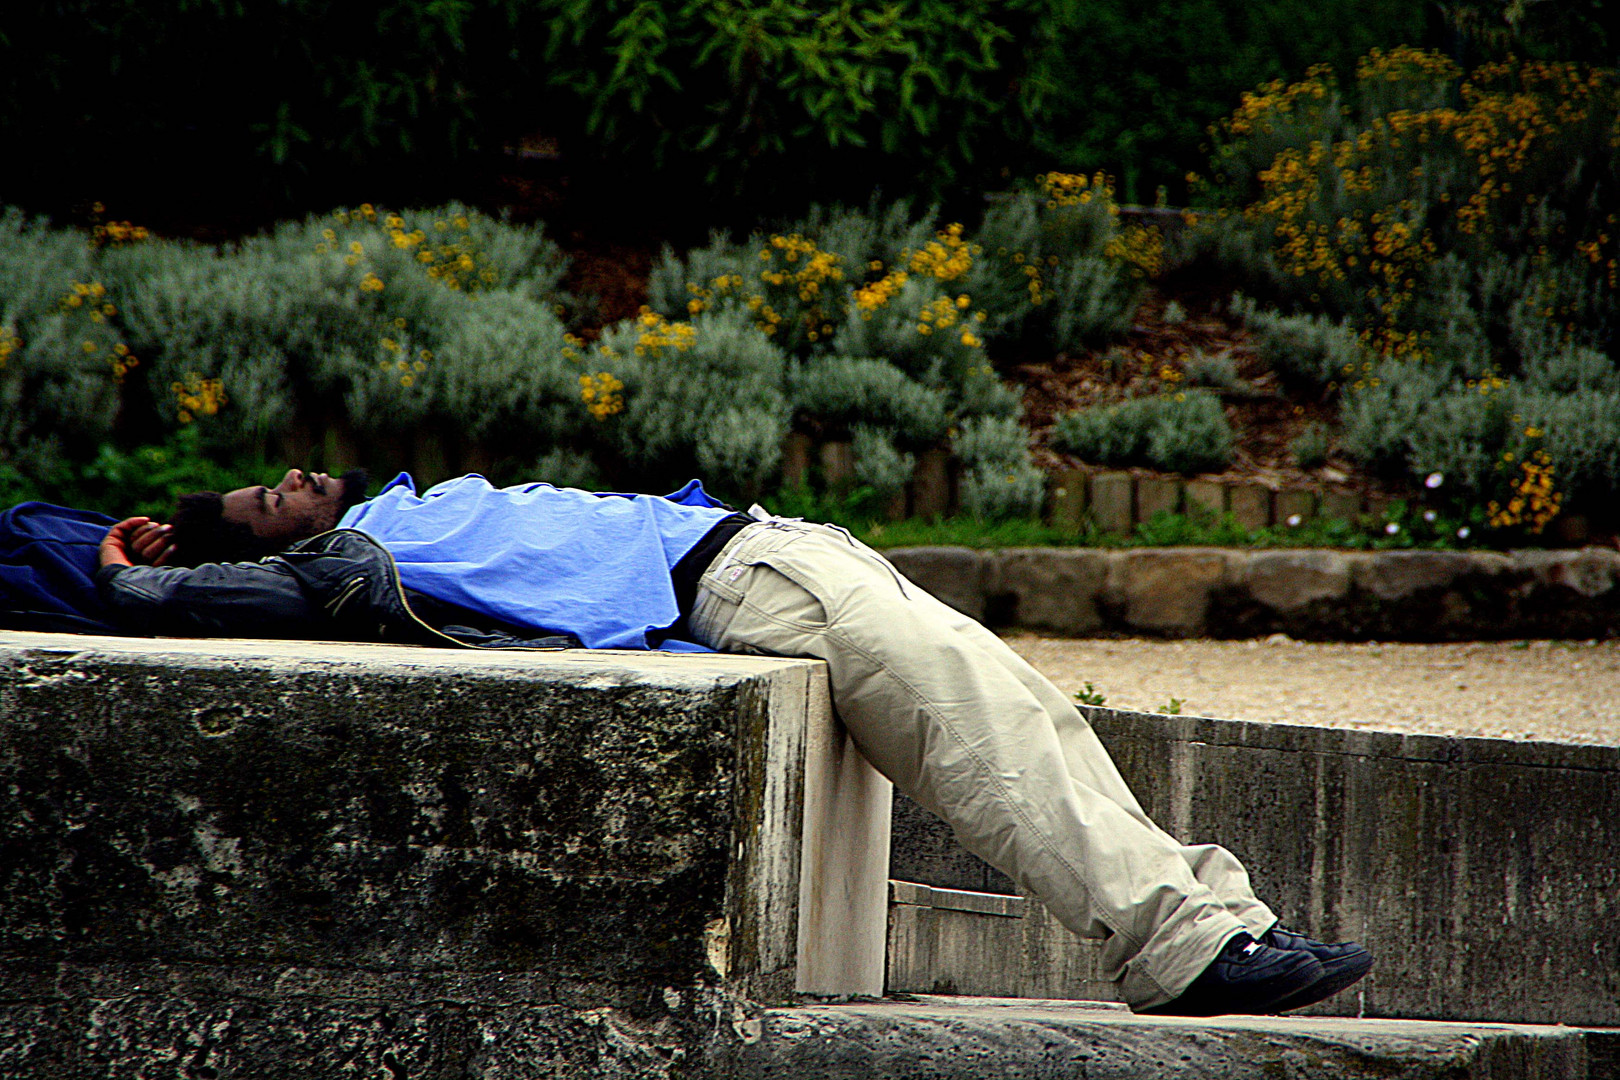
(778, 592)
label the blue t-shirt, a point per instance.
(542, 557)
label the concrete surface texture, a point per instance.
(953, 1039)
(1316, 594)
(246, 847)
(1558, 691)
(1483, 874)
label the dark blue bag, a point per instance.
(48, 569)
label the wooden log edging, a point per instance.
(1308, 593)
(1117, 501)
(1112, 501)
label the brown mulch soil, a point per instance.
(1152, 358)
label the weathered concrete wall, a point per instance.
(275, 859)
(1308, 594)
(1483, 873)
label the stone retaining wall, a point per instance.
(276, 859)
(1312, 594)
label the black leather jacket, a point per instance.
(341, 585)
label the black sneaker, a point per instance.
(1343, 964)
(1247, 977)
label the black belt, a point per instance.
(690, 569)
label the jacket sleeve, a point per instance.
(212, 600)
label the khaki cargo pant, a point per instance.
(965, 727)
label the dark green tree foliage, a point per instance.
(218, 101)
(910, 92)
(1541, 29)
(199, 107)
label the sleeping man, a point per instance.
(936, 702)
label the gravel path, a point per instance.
(1555, 690)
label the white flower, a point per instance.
(1392, 528)
(1435, 480)
(1295, 520)
(1462, 533)
(1429, 515)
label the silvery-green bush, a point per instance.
(63, 360)
(1185, 432)
(705, 394)
(999, 480)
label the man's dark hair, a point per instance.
(202, 535)
(355, 484)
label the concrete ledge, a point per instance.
(947, 1039)
(1309, 594)
(316, 853)
(1484, 874)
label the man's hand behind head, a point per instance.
(137, 541)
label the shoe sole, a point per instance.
(1337, 975)
(1210, 1004)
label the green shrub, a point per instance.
(379, 321)
(1089, 302)
(1309, 353)
(770, 98)
(1446, 244)
(1185, 432)
(199, 315)
(1377, 420)
(502, 375)
(878, 309)
(879, 464)
(845, 391)
(1386, 203)
(704, 396)
(1581, 436)
(1415, 423)
(1058, 271)
(1575, 30)
(1311, 447)
(1572, 369)
(566, 468)
(62, 359)
(999, 481)
(243, 100)
(1192, 437)
(1214, 371)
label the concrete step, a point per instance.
(954, 941)
(944, 1038)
